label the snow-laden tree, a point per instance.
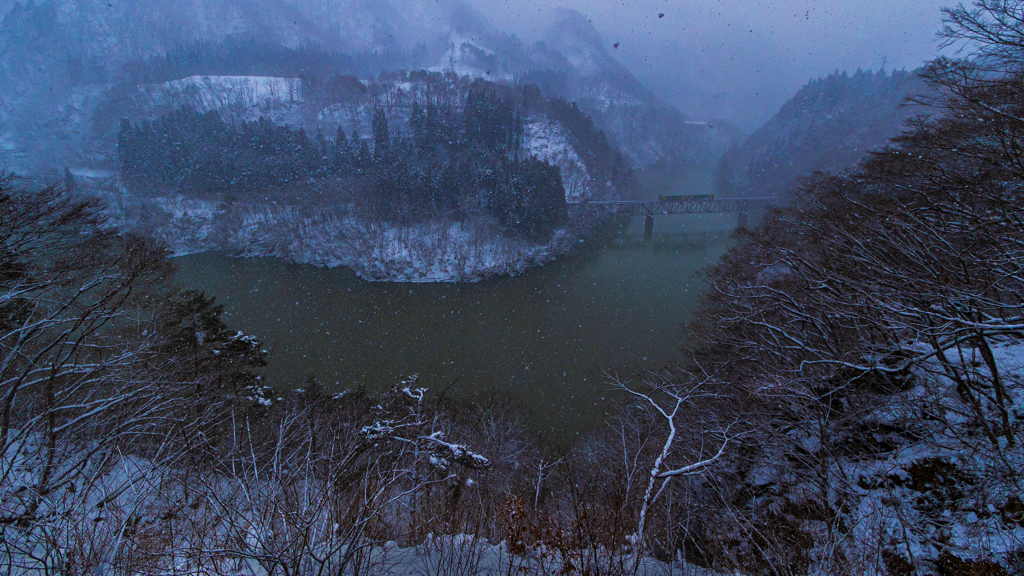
(82, 377)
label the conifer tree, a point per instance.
(381, 136)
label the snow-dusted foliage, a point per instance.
(238, 98)
(296, 499)
(135, 438)
(898, 480)
(549, 141)
(442, 179)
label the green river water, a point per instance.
(543, 338)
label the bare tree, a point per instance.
(672, 400)
(82, 375)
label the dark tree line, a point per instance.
(442, 161)
(199, 152)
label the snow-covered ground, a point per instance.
(238, 98)
(217, 92)
(927, 497)
(945, 489)
(432, 251)
(467, 56)
(549, 141)
(915, 477)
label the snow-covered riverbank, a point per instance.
(433, 251)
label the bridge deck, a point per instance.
(665, 208)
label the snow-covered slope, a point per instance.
(238, 98)
(573, 62)
(829, 125)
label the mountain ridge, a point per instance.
(56, 48)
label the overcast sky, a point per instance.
(741, 59)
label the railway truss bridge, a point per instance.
(667, 207)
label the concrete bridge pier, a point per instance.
(648, 227)
(741, 222)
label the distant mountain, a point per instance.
(58, 60)
(829, 125)
(573, 62)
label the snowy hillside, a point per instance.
(324, 220)
(829, 125)
(439, 251)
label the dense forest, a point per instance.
(412, 175)
(441, 157)
(829, 125)
(440, 163)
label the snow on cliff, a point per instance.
(549, 141)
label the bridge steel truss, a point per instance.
(651, 208)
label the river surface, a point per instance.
(542, 338)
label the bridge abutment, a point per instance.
(648, 227)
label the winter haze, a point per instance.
(741, 59)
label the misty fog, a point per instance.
(739, 60)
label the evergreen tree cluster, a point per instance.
(199, 153)
(439, 161)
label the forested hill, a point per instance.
(64, 66)
(440, 147)
(829, 125)
(413, 176)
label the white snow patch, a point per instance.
(215, 91)
(433, 251)
(92, 173)
(238, 98)
(462, 56)
(549, 141)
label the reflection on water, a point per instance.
(542, 337)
